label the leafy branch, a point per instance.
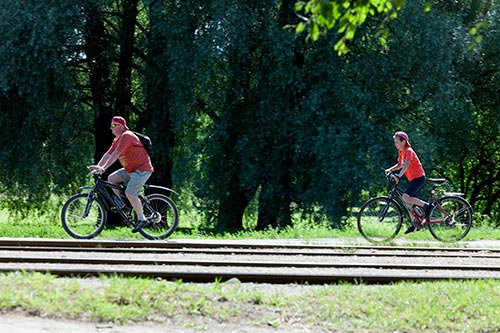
(320, 16)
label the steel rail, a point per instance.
(173, 244)
(240, 248)
(235, 250)
(207, 277)
(293, 271)
(235, 263)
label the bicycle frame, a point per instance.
(396, 194)
(84, 215)
(380, 218)
(100, 189)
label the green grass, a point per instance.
(465, 306)
(191, 226)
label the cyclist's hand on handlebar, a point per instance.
(391, 175)
(394, 177)
(96, 168)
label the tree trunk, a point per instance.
(99, 75)
(275, 196)
(123, 90)
(232, 203)
(158, 97)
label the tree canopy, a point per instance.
(245, 115)
(345, 17)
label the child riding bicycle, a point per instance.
(410, 166)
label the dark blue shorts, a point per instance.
(414, 186)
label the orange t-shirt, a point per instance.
(415, 169)
(133, 156)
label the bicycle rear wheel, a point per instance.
(456, 213)
(380, 219)
(162, 216)
(83, 218)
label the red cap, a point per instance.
(120, 120)
(403, 136)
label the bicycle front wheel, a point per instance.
(451, 219)
(380, 219)
(162, 215)
(83, 218)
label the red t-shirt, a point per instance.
(133, 156)
(415, 169)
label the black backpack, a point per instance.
(146, 142)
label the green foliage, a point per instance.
(348, 15)
(42, 136)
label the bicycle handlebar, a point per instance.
(391, 176)
(95, 173)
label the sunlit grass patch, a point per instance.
(445, 306)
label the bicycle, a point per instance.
(380, 218)
(84, 215)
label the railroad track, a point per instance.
(198, 261)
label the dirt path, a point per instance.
(19, 323)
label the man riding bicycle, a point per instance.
(137, 167)
(410, 166)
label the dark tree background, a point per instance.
(245, 114)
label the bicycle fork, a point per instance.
(90, 200)
(383, 210)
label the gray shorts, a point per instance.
(134, 180)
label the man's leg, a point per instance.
(118, 177)
(136, 205)
(134, 188)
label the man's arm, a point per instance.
(106, 161)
